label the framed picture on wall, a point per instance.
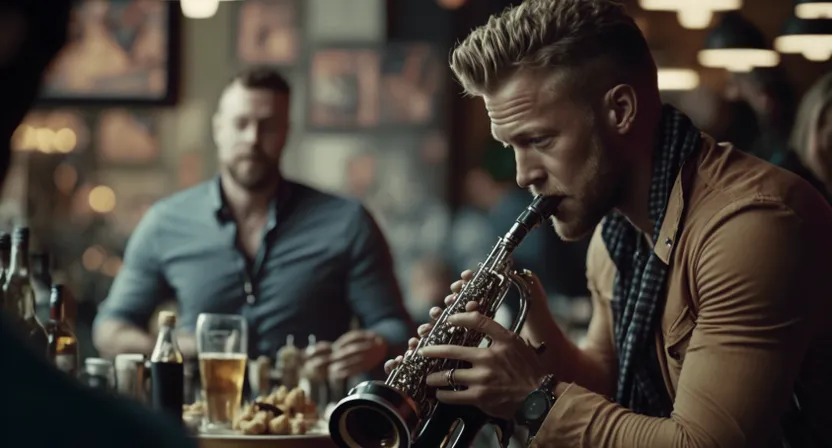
(343, 88)
(127, 137)
(268, 32)
(412, 78)
(119, 51)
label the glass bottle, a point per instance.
(167, 369)
(62, 343)
(19, 294)
(5, 255)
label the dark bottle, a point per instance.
(166, 369)
(19, 295)
(41, 275)
(5, 256)
(62, 343)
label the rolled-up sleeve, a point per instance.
(755, 275)
(140, 285)
(373, 290)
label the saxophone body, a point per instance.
(403, 411)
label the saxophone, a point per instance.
(403, 412)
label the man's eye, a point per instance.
(539, 142)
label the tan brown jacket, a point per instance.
(747, 316)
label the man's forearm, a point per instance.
(562, 357)
(113, 337)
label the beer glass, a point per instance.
(222, 347)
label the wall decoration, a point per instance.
(351, 21)
(268, 32)
(127, 137)
(411, 84)
(118, 51)
(344, 88)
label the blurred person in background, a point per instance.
(769, 95)
(811, 138)
(31, 33)
(291, 259)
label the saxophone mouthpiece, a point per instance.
(540, 209)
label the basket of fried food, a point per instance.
(282, 413)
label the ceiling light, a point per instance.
(677, 79)
(813, 9)
(735, 44)
(692, 14)
(811, 38)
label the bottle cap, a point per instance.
(20, 235)
(98, 366)
(57, 294)
(129, 360)
(167, 318)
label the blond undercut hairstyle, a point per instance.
(593, 43)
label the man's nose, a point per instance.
(250, 133)
(529, 171)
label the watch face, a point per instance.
(536, 406)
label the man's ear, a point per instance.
(621, 107)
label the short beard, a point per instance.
(265, 180)
(605, 180)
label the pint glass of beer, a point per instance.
(222, 346)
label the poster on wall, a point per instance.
(118, 51)
(268, 32)
(126, 137)
(344, 88)
(411, 85)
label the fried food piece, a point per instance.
(296, 400)
(280, 395)
(280, 425)
(253, 427)
(264, 416)
(298, 427)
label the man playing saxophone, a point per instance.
(707, 267)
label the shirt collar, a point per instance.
(223, 212)
(669, 232)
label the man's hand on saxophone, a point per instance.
(501, 375)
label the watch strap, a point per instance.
(547, 386)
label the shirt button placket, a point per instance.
(250, 298)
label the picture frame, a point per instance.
(268, 32)
(412, 85)
(343, 88)
(398, 85)
(124, 52)
(127, 137)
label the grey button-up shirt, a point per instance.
(322, 261)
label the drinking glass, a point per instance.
(222, 347)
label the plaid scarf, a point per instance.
(640, 281)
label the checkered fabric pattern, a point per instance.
(640, 281)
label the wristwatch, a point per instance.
(537, 405)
